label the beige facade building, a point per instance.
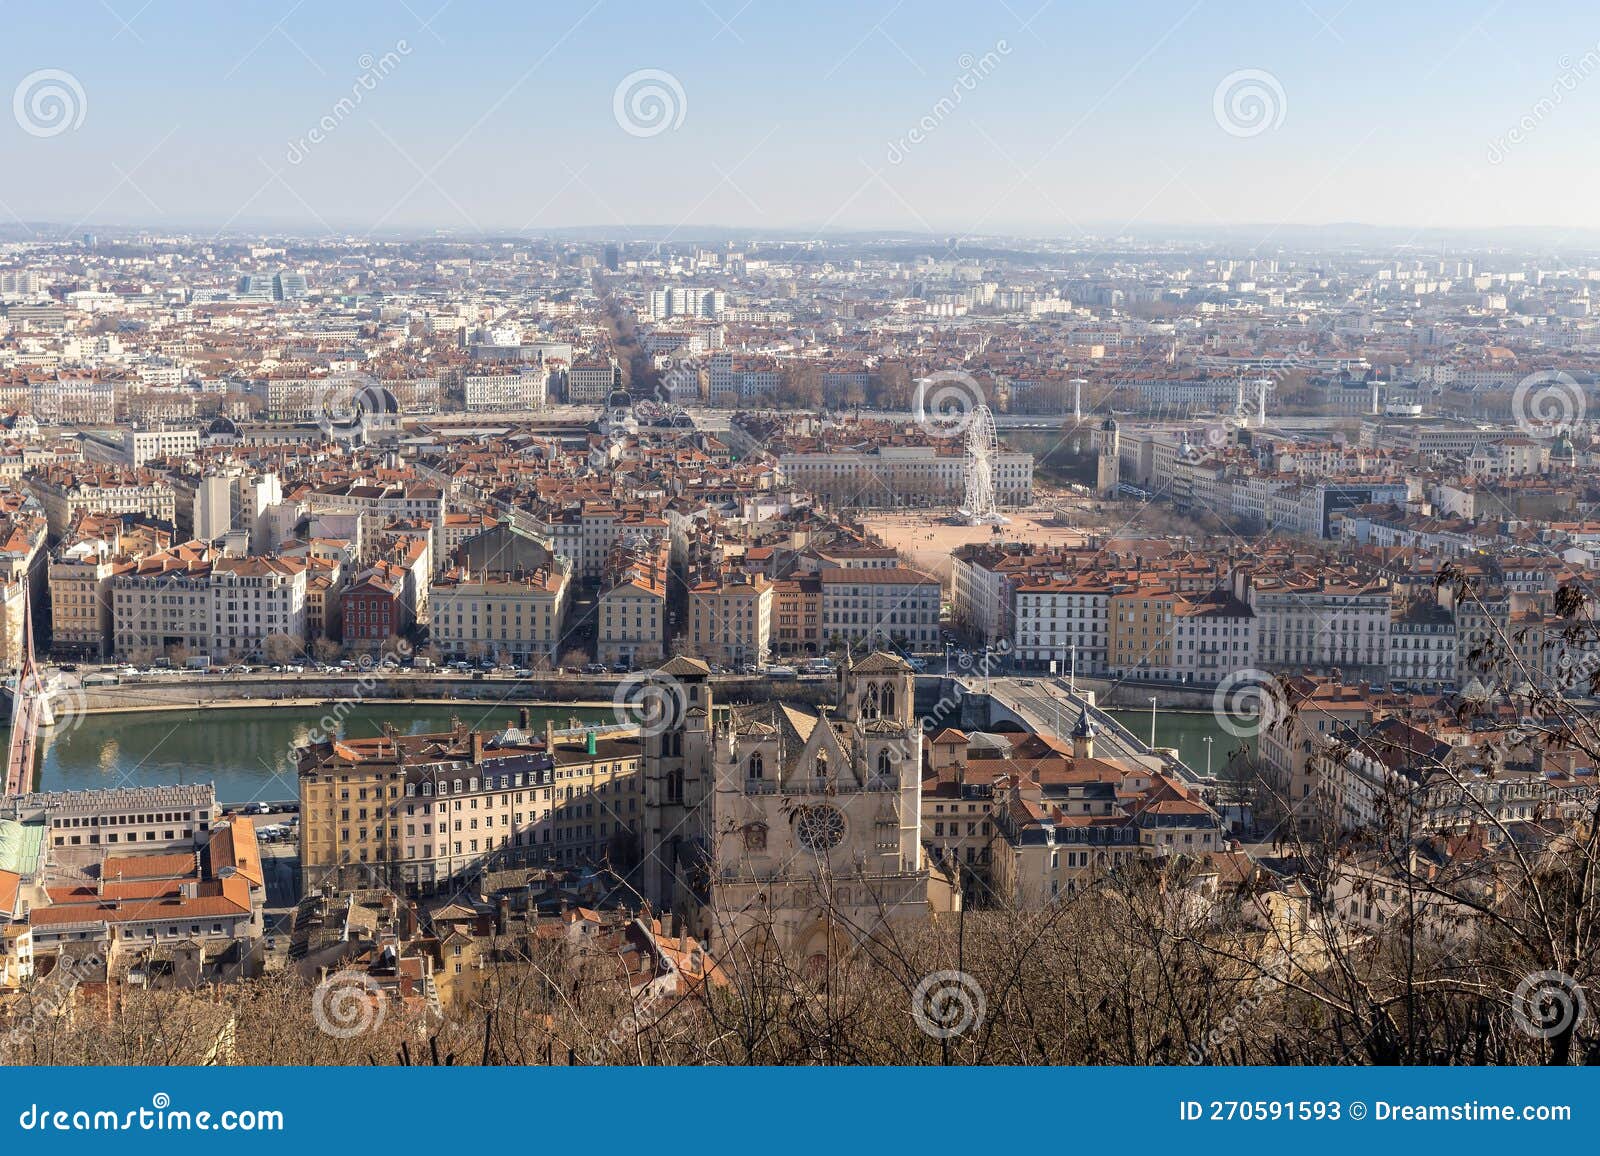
(64, 490)
(423, 812)
(730, 619)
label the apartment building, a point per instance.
(426, 812)
(797, 616)
(593, 381)
(889, 476)
(522, 389)
(1063, 822)
(255, 600)
(1422, 646)
(586, 532)
(510, 615)
(1061, 620)
(381, 504)
(373, 607)
(869, 607)
(1321, 621)
(162, 604)
(730, 618)
(64, 490)
(631, 613)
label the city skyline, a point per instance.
(995, 120)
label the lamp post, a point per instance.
(1152, 722)
(1208, 740)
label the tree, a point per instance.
(895, 386)
(280, 649)
(802, 386)
(326, 650)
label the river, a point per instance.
(244, 751)
(1187, 731)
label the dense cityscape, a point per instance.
(836, 574)
(564, 545)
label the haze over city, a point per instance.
(1043, 118)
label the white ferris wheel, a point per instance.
(979, 507)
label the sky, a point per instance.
(976, 119)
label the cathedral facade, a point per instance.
(794, 821)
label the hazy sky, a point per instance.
(801, 115)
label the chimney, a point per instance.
(477, 747)
(502, 912)
(524, 718)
